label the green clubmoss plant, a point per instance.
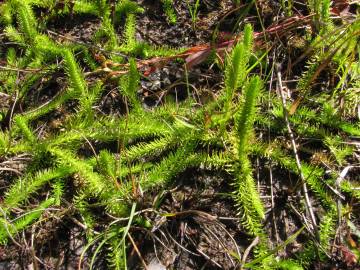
(9, 229)
(246, 195)
(25, 18)
(169, 11)
(129, 85)
(22, 190)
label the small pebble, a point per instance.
(166, 81)
(156, 265)
(166, 71)
(156, 85)
(178, 75)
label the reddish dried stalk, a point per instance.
(197, 54)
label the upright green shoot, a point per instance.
(236, 70)
(246, 195)
(26, 18)
(193, 10)
(129, 85)
(169, 10)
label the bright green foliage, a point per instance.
(25, 187)
(25, 18)
(337, 46)
(86, 115)
(9, 229)
(168, 168)
(248, 39)
(315, 7)
(351, 188)
(193, 10)
(4, 142)
(153, 148)
(94, 182)
(107, 31)
(107, 163)
(288, 265)
(169, 10)
(129, 85)
(58, 190)
(316, 122)
(236, 71)
(249, 203)
(23, 126)
(287, 6)
(246, 115)
(130, 29)
(115, 235)
(87, 216)
(325, 16)
(56, 103)
(338, 149)
(10, 77)
(125, 10)
(117, 254)
(102, 7)
(321, 9)
(45, 46)
(114, 161)
(86, 7)
(125, 7)
(74, 73)
(14, 35)
(6, 14)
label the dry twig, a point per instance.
(297, 159)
